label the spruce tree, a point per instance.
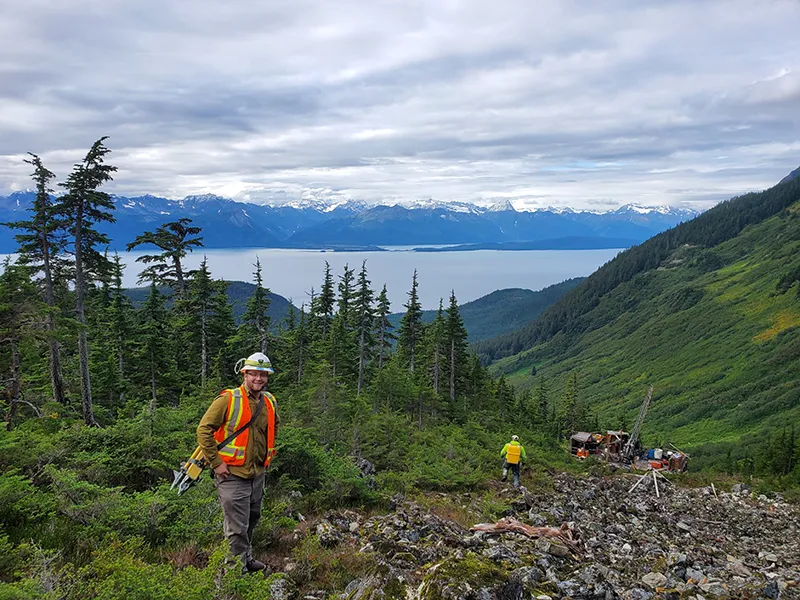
(574, 416)
(363, 318)
(205, 320)
(255, 321)
(154, 351)
(411, 327)
(347, 293)
(383, 328)
(300, 343)
(40, 246)
(175, 239)
(113, 331)
(437, 348)
(83, 206)
(541, 400)
(457, 347)
(323, 305)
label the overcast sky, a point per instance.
(542, 103)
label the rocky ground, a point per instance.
(698, 544)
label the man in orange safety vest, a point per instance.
(237, 436)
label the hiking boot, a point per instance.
(504, 477)
(254, 565)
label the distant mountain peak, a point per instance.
(662, 209)
(500, 206)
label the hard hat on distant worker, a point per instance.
(514, 438)
(255, 362)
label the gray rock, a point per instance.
(545, 545)
(676, 559)
(591, 575)
(694, 574)
(327, 534)
(501, 554)
(737, 567)
(654, 580)
(282, 588)
(527, 576)
(771, 590)
(536, 519)
(714, 588)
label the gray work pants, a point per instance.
(241, 510)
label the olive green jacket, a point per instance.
(256, 450)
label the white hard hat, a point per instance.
(255, 362)
(515, 438)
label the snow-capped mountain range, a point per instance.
(321, 223)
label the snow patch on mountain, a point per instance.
(205, 198)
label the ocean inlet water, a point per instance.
(470, 274)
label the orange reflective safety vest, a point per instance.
(513, 453)
(234, 453)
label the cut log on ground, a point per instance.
(564, 534)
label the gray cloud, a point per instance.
(566, 104)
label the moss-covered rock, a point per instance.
(470, 577)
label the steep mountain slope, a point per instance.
(714, 327)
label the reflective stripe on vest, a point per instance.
(238, 413)
(513, 453)
(270, 403)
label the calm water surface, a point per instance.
(292, 273)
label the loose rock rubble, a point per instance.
(692, 544)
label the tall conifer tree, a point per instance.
(175, 239)
(256, 321)
(411, 327)
(155, 350)
(83, 206)
(39, 249)
(457, 347)
(383, 328)
(364, 316)
(205, 319)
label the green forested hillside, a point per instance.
(574, 313)
(238, 293)
(712, 326)
(503, 311)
